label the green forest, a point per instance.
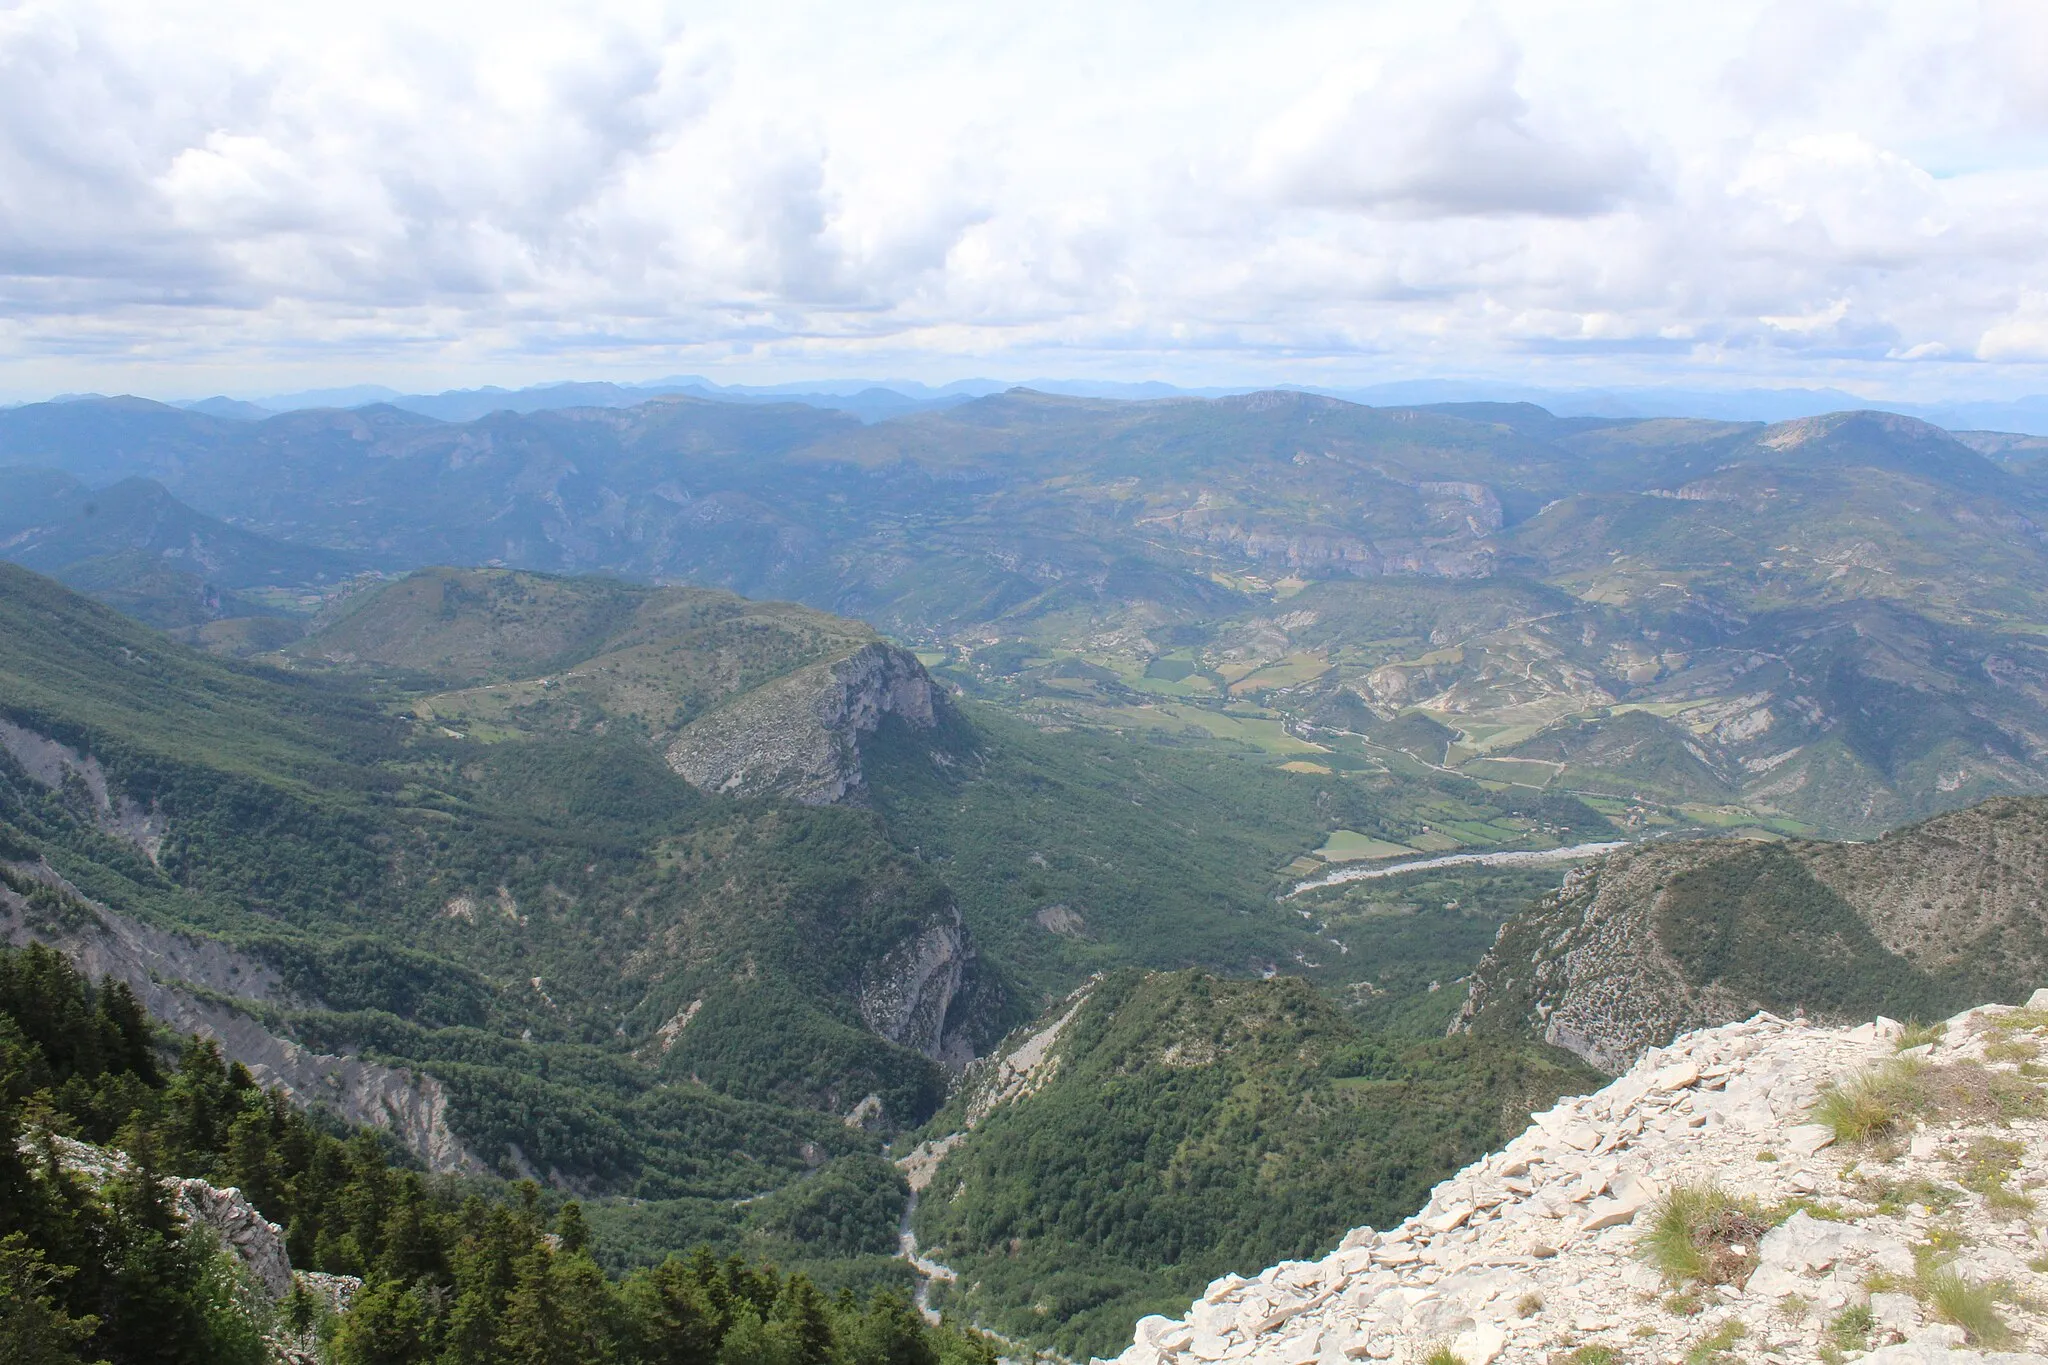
(452, 1272)
(1197, 1125)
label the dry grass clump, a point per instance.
(1442, 1354)
(1591, 1354)
(1699, 1234)
(1717, 1349)
(1972, 1307)
(1879, 1104)
(1917, 1034)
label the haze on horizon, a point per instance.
(243, 198)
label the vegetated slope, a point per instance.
(1078, 851)
(321, 1243)
(1068, 852)
(1671, 936)
(615, 981)
(743, 697)
(1154, 564)
(1178, 1126)
(138, 549)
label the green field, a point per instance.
(1347, 845)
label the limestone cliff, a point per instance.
(189, 982)
(800, 735)
(1541, 1252)
(905, 996)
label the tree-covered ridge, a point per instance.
(112, 1274)
(1194, 1125)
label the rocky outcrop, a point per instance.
(1541, 1250)
(256, 1242)
(905, 996)
(1673, 935)
(1584, 970)
(188, 982)
(61, 768)
(799, 736)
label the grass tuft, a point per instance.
(1591, 1354)
(1442, 1354)
(1850, 1331)
(1874, 1104)
(1972, 1307)
(1918, 1034)
(1529, 1305)
(1695, 1233)
(1716, 1349)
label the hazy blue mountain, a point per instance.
(1237, 566)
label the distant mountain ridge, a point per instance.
(1683, 613)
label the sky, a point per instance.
(242, 198)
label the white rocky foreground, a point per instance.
(1534, 1253)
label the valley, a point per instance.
(1162, 836)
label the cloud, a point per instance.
(229, 194)
(1445, 135)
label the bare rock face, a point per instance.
(60, 767)
(907, 994)
(257, 1242)
(1585, 970)
(179, 979)
(799, 736)
(1543, 1250)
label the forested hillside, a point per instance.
(100, 1261)
(1181, 1126)
(523, 945)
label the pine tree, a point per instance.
(388, 1324)
(34, 1327)
(672, 1316)
(802, 1315)
(535, 1331)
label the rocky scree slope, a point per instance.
(1820, 1250)
(1665, 937)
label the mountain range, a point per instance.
(1108, 842)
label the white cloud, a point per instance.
(219, 195)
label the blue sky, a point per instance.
(243, 198)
